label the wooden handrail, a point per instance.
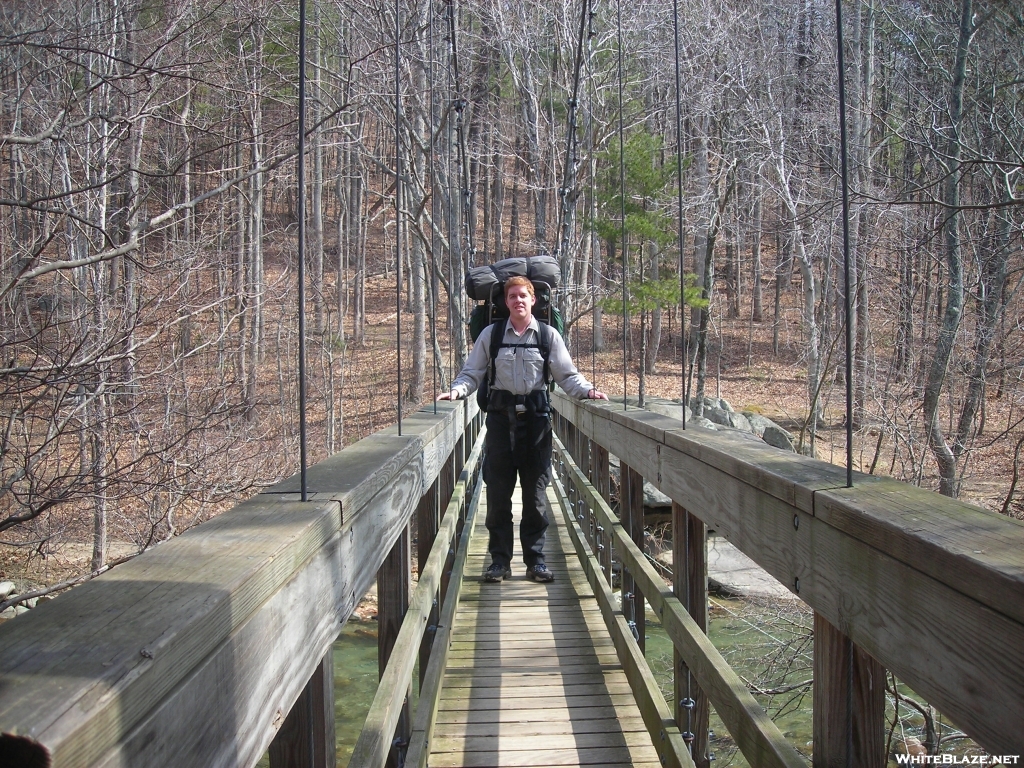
(930, 587)
(193, 653)
(760, 740)
(430, 691)
(375, 738)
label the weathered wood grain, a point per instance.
(434, 674)
(653, 708)
(309, 725)
(491, 730)
(690, 586)
(90, 674)
(521, 659)
(374, 744)
(952, 633)
(754, 733)
(846, 720)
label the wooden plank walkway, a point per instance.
(532, 677)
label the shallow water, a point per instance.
(355, 683)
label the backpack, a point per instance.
(486, 283)
(544, 331)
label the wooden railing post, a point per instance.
(690, 585)
(602, 482)
(631, 506)
(310, 724)
(446, 486)
(392, 604)
(460, 458)
(849, 723)
(427, 521)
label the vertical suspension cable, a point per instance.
(848, 306)
(567, 192)
(679, 202)
(453, 235)
(688, 582)
(433, 204)
(595, 253)
(847, 302)
(460, 105)
(622, 214)
(301, 173)
(398, 205)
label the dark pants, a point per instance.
(526, 451)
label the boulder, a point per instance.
(769, 431)
(6, 589)
(727, 418)
(700, 421)
(653, 498)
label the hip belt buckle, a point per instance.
(520, 410)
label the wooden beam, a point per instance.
(306, 740)
(881, 584)
(375, 739)
(392, 604)
(427, 521)
(753, 731)
(690, 586)
(849, 723)
(602, 483)
(656, 713)
(430, 690)
(631, 506)
(205, 643)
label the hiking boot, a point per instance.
(539, 572)
(497, 572)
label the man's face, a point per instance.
(520, 302)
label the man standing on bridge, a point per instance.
(519, 425)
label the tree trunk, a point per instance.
(941, 450)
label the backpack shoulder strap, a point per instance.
(497, 337)
(544, 331)
(544, 334)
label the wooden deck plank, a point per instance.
(544, 756)
(533, 678)
(494, 730)
(523, 742)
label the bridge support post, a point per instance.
(310, 724)
(427, 522)
(631, 504)
(849, 724)
(690, 585)
(392, 604)
(599, 476)
(445, 487)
